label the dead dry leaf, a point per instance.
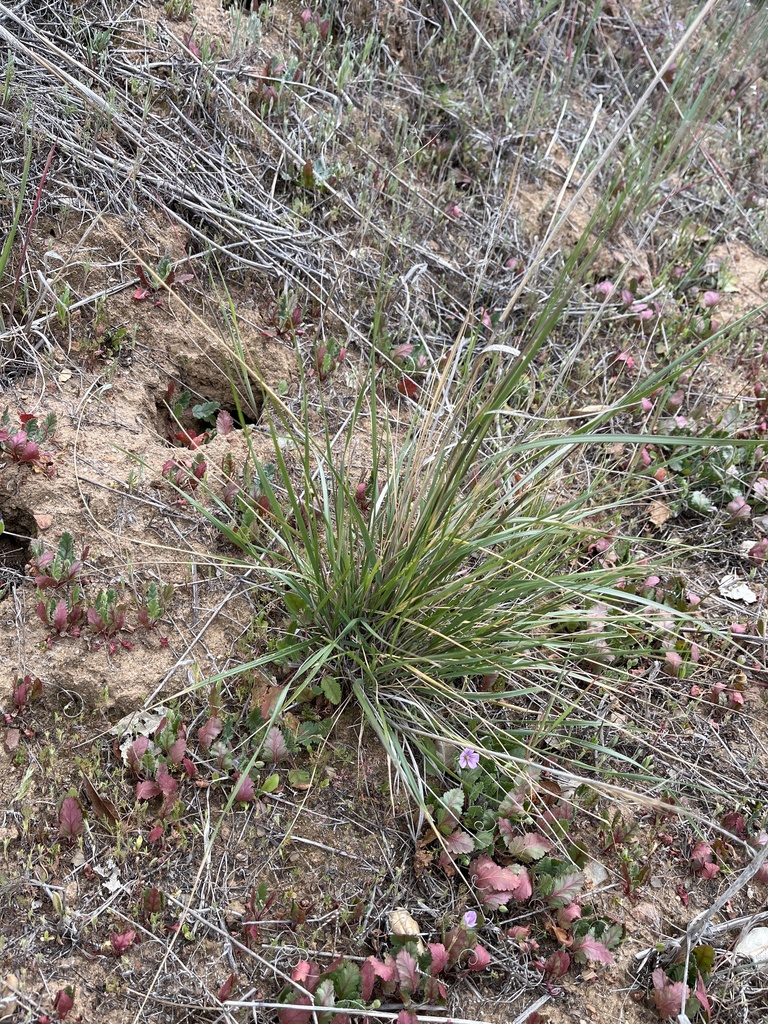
(401, 923)
(658, 513)
(102, 805)
(43, 520)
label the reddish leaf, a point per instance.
(557, 965)
(459, 842)
(286, 1015)
(408, 387)
(372, 969)
(147, 790)
(122, 942)
(136, 751)
(479, 958)
(734, 822)
(63, 1001)
(406, 1017)
(701, 994)
(156, 833)
(168, 785)
(244, 791)
(566, 889)
(227, 988)
(439, 957)
(702, 860)
(28, 689)
(408, 972)
(528, 847)
(497, 885)
(274, 745)
(568, 915)
(70, 818)
(307, 974)
(60, 612)
(586, 947)
(208, 733)
(447, 864)
(434, 990)
(224, 423)
(177, 750)
(151, 901)
(669, 997)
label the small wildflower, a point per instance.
(469, 758)
(470, 919)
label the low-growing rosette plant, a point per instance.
(23, 445)
(411, 974)
(53, 569)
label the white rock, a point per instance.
(754, 945)
(595, 872)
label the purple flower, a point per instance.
(470, 919)
(469, 758)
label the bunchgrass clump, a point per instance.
(460, 592)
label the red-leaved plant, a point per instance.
(407, 975)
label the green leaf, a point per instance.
(705, 959)
(331, 689)
(296, 606)
(699, 502)
(271, 783)
(453, 801)
(299, 779)
(206, 411)
(346, 980)
(309, 733)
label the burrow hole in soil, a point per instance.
(20, 529)
(189, 407)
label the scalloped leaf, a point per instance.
(559, 891)
(70, 818)
(587, 947)
(408, 972)
(498, 885)
(527, 847)
(669, 997)
(459, 842)
(479, 959)
(275, 748)
(371, 969)
(439, 957)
